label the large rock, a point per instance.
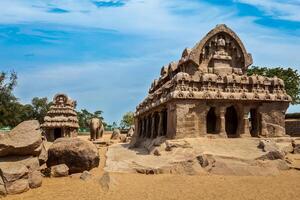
(11, 172)
(14, 177)
(79, 155)
(24, 139)
(43, 155)
(18, 174)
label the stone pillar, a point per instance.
(221, 121)
(149, 126)
(160, 124)
(138, 128)
(245, 130)
(146, 127)
(152, 125)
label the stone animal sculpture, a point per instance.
(96, 128)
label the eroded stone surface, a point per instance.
(24, 139)
(79, 155)
(198, 155)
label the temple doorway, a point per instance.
(231, 121)
(254, 122)
(57, 133)
(211, 121)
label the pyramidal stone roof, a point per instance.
(214, 69)
(62, 113)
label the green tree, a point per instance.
(40, 107)
(290, 77)
(114, 125)
(127, 120)
(8, 102)
(84, 116)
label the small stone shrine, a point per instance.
(61, 119)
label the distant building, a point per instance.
(61, 119)
(207, 92)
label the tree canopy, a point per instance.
(12, 112)
(290, 77)
(127, 120)
(84, 116)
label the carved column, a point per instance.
(142, 127)
(152, 125)
(160, 124)
(221, 121)
(146, 126)
(245, 130)
(149, 126)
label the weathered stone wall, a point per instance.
(292, 127)
(190, 119)
(273, 119)
(172, 122)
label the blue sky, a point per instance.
(105, 53)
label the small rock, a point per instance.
(2, 188)
(156, 152)
(35, 179)
(46, 171)
(206, 161)
(59, 170)
(272, 155)
(130, 132)
(17, 187)
(176, 144)
(296, 146)
(116, 134)
(85, 175)
(267, 145)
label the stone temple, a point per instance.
(61, 119)
(208, 93)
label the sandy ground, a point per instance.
(137, 186)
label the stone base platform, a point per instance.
(240, 156)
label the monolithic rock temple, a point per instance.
(61, 119)
(208, 92)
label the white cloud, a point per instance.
(117, 85)
(287, 9)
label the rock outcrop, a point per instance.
(21, 152)
(79, 155)
(18, 174)
(24, 139)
